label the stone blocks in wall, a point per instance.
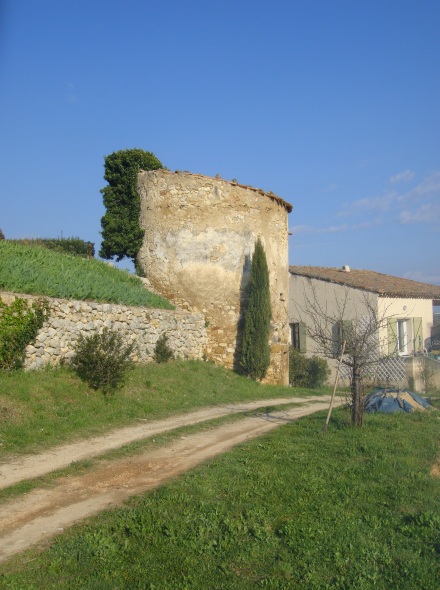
(56, 340)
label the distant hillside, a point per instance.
(39, 271)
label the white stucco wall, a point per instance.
(406, 309)
(341, 302)
(330, 297)
(335, 301)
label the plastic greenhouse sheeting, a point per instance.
(393, 400)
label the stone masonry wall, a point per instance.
(200, 234)
(186, 331)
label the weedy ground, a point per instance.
(52, 406)
(40, 271)
(300, 508)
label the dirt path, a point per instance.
(43, 513)
(31, 466)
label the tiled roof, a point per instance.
(260, 191)
(368, 280)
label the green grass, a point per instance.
(45, 408)
(128, 450)
(349, 509)
(73, 245)
(39, 271)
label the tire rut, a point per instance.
(43, 513)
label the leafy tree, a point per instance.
(256, 349)
(121, 231)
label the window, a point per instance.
(343, 331)
(405, 336)
(298, 336)
(402, 336)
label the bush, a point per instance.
(102, 360)
(19, 325)
(73, 246)
(319, 371)
(298, 368)
(162, 352)
(307, 372)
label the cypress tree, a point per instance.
(255, 356)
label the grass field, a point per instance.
(298, 508)
(39, 271)
(352, 509)
(38, 410)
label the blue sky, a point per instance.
(331, 104)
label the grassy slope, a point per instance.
(52, 406)
(40, 271)
(348, 509)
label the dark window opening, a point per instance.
(298, 336)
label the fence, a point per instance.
(421, 373)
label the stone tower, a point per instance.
(200, 234)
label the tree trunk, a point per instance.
(357, 402)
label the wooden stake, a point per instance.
(335, 386)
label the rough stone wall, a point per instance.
(56, 340)
(200, 235)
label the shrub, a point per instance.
(298, 368)
(19, 325)
(307, 372)
(319, 371)
(162, 352)
(255, 357)
(73, 246)
(102, 360)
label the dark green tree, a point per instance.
(162, 352)
(255, 357)
(121, 231)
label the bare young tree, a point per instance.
(330, 323)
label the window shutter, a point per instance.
(345, 333)
(292, 334)
(302, 338)
(347, 329)
(392, 336)
(418, 335)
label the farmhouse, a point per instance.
(347, 295)
(200, 234)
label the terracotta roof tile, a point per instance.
(368, 280)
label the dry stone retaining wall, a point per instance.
(56, 340)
